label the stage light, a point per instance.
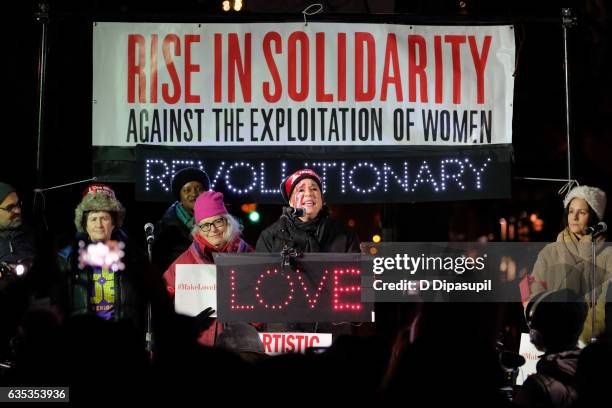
(232, 5)
(19, 270)
(254, 216)
(376, 238)
(248, 207)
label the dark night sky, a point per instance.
(538, 134)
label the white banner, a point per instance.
(286, 84)
(284, 343)
(195, 289)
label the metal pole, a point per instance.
(593, 294)
(569, 20)
(149, 333)
(42, 17)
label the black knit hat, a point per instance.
(185, 176)
(5, 190)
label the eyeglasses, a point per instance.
(12, 207)
(218, 223)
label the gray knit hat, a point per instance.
(5, 190)
(98, 197)
(594, 196)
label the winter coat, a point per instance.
(554, 384)
(130, 283)
(195, 254)
(17, 245)
(567, 264)
(324, 234)
(172, 238)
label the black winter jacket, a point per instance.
(172, 238)
(329, 236)
(554, 384)
(17, 245)
(324, 234)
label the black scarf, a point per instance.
(304, 236)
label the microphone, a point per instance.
(294, 212)
(149, 231)
(595, 230)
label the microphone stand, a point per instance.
(594, 234)
(593, 295)
(149, 332)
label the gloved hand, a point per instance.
(204, 319)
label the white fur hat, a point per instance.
(594, 196)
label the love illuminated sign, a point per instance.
(320, 288)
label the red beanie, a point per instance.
(290, 182)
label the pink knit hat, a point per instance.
(208, 204)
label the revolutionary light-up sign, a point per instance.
(377, 177)
(321, 287)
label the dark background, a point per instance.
(538, 129)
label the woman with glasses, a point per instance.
(214, 230)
